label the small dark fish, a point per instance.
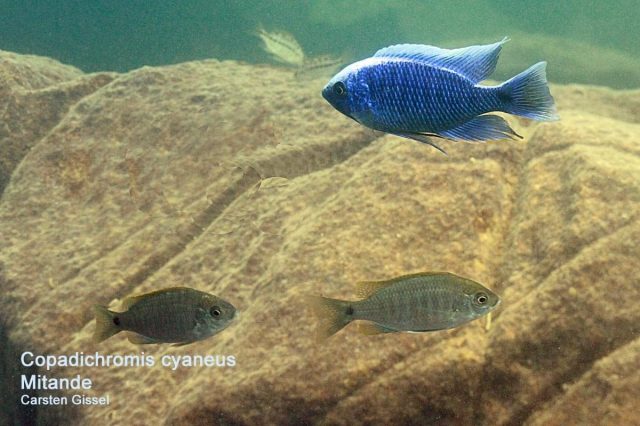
(413, 303)
(417, 91)
(177, 315)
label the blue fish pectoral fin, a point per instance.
(420, 137)
(139, 339)
(370, 328)
(474, 62)
(482, 128)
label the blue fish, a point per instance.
(417, 91)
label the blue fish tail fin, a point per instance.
(527, 95)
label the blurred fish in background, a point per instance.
(285, 49)
(282, 47)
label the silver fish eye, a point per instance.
(339, 88)
(481, 298)
(215, 311)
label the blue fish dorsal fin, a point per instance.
(474, 62)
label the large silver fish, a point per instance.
(177, 315)
(415, 303)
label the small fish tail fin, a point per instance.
(105, 324)
(527, 95)
(334, 315)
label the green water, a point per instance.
(584, 41)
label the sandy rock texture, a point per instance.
(35, 94)
(240, 180)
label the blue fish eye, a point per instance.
(215, 311)
(339, 88)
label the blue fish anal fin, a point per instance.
(482, 128)
(420, 137)
(474, 62)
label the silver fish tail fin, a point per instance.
(105, 323)
(527, 95)
(334, 314)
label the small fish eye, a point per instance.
(215, 311)
(339, 88)
(481, 298)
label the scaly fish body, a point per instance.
(415, 303)
(176, 315)
(417, 91)
(411, 96)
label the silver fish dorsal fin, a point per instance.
(365, 289)
(474, 62)
(128, 302)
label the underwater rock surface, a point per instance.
(241, 181)
(35, 94)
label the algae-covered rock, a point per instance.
(241, 181)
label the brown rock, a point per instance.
(35, 93)
(605, 395)
(242, 181)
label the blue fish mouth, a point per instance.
(325, 93)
